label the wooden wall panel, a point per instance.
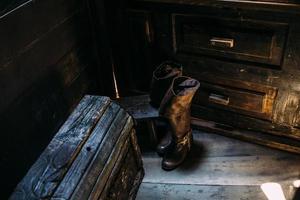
(20, 73)
(47, 64)
(8, 5)
(24, 27)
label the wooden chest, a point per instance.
(93, 156)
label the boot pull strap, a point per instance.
(186, 140)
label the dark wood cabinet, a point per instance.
(244, 53)
(239, 96)
(241, 40)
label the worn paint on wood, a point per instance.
(79, 161)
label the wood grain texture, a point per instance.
(264, 96)
(220, 168)
(252, 103)
(138, 107)
(242, 170)
(46, 66)
(93, 156)
(208, 144)
(272, 141)
(149, 191)
(20, 73)
(193, 34)
(113, 145)
(115, 175)
(158, 191)
(84, 158)
(239, 121)
(126, 178)
(42, 179)
(137, 150)
(276, 5)
(33, 22)
(37, 111)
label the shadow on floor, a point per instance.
(297, 195)
(194, 158)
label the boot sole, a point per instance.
(169, 169)
(172, 168)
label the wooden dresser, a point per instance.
(246, 54)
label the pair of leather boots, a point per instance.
(172, 93)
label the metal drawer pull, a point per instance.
(219, 99)
(222, 42)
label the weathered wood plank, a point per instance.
(50, 105)
(244, 122)
(41, 180)
(129, 182)
(157, 191)
(20, 74)
(268, 5)
(74, 174)
(207, 144)
(224, 168)
(32, 18)
(103, 193)
(261, 138)
(139, 107)
(42, 78)
(236, 170)
(137, 151)
(116, 152)
(92, 160)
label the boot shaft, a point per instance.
(178, 98)
(162, 79)
(176, 104)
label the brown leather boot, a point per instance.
(162, 79)
(164, 144)
(176, 108)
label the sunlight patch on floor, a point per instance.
(273, 191)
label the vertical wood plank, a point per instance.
(104, 161)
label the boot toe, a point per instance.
(168, 165)
(171, 162)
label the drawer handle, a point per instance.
(219, 99)
(222, 42)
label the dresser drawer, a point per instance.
(253, 41)
(243, 97)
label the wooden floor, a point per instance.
(219, 168)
